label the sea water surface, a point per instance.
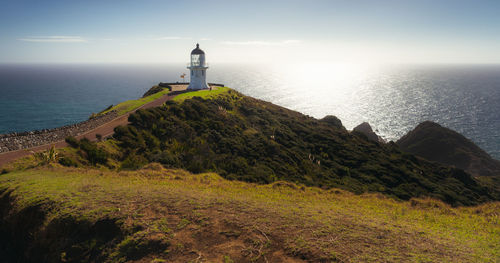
(393, 99)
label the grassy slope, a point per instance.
(206, 94)
(174, 216)
(177, 216)
(246, 139)
(131, 105)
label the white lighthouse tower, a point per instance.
(198, 68)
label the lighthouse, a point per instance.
(198, 68)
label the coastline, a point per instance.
(24, 140)
(104, 129)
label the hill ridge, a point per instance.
(440, 144)
(247, 139)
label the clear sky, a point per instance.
(153, 31)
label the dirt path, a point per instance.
(105, 130)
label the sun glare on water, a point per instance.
(303, 86)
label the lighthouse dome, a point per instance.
(197, 51)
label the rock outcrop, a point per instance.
(366, 129)
(333, 121)
(436, 143)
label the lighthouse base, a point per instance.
(198, 78)
(197, 83)
(198, 86)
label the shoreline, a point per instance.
(25, 140)
(104, 128)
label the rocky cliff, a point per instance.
(366, 129)
(440, 144)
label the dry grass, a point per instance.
(204, 218)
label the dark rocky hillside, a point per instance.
(242, 138)
(366, 129)
(437, 143)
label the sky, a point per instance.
(154, 31)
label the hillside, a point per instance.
(216, 176)
(242, 138)
(56, 214)
(436, 143)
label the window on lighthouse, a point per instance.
(195, 60)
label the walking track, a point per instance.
(105, 130)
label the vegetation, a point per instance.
(126, 199)
(205, 94)
(94, 115)
(155, 89)
(89, 150)
(242, 138)
(48, 156)
(165, 215)
(131, 105)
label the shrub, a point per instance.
(68, 161)
(166, 158)
(94, 154)
(48, 156)
(72, 141)
(97, 155)
(133, 162)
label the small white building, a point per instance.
(198, 68)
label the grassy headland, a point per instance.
(215, 176)
(242, 138)
(131, 105)
(172, 215)
(205, 94)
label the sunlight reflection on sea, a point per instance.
(393, 99)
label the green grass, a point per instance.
(131, 105)
(201, 93)
(176, 207)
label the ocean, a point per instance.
(393, 99)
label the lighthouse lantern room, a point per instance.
(198, 68)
